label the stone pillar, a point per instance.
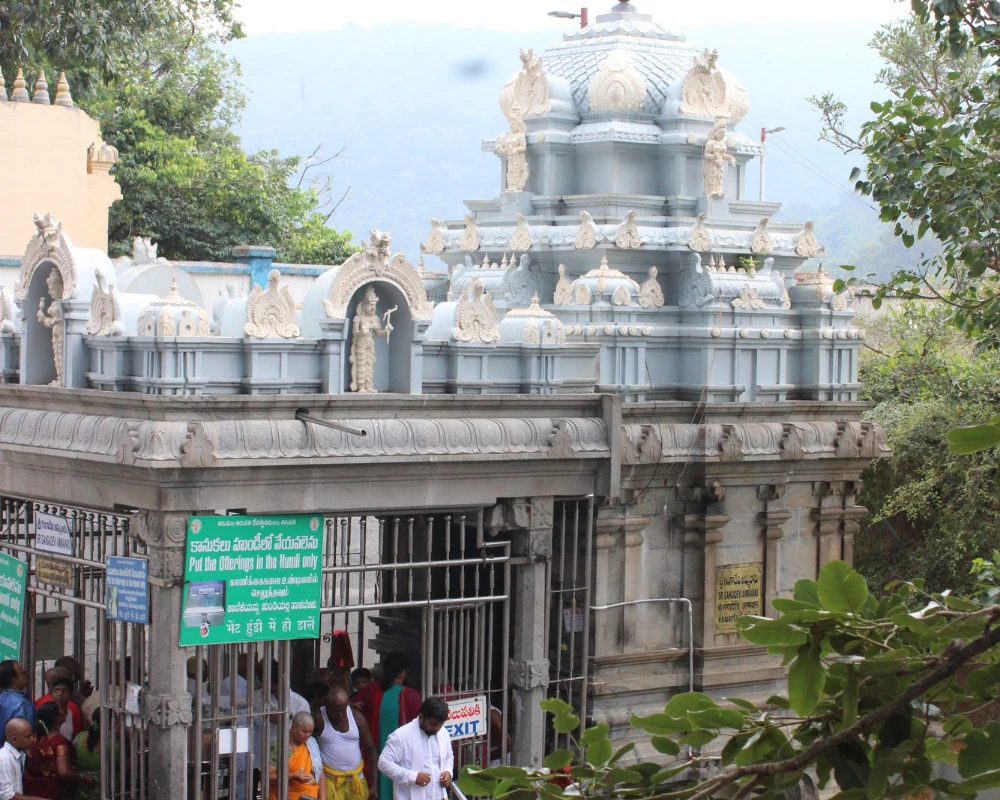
(166, 703)
(260, 260)
(837, 519)
(529, 664)
(773, 518)
(828, 517)
(702, 528)
(853, 514)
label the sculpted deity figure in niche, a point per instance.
(364, 329)
(514, 145)
(716, 158)
(53, 320)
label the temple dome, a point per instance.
(532, 325)
(624, 63)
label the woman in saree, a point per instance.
(386, 705)
(51, 770)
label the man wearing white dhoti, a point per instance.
(418, 757)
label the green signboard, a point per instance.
(250, 578)
(13, 577)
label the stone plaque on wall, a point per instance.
(739, 590)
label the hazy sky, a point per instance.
(261, 16)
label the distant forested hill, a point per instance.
(412, 103)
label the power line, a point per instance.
(815, 169)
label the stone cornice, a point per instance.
(756, 441)
(241, 442)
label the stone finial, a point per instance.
(41, 95)
(3, 88)
(20, 93)
(63, 97)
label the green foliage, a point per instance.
(932, 159)
(93, 40)
(933, 510)
(165, 96)
(878, 697)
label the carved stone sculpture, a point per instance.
(476, 317)
(699, 240)
(749, 299)
(716, 158)
(618, 85)
(514, 145)
(435, 239)
(521, 239)
(104, 311)
(708, 92)
(528, 88)
(761, 243)
(53, 320)
(365, 327)
(650, 293)
(586, 235)
(563, 294)
(49, 228)
(271, 314)
(20, 93)
(520, 281)
(628, 234)
(807, 245)
(839, 302)
(470, 238)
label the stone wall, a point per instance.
(61, 165)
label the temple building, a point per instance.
(556, 453)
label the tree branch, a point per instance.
(959, 654)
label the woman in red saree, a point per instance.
(51, 770)
(386, 705)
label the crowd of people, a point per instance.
(381, 741)
(49, 748)
(378, 741)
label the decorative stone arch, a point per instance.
(373, 264)
(49, 245)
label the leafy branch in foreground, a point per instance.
(881, 693)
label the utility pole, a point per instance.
(763, 141)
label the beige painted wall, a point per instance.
(52, 164)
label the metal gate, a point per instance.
(72, 613)
(428, 583)
(570, 576)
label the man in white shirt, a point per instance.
(19, 735)
(417, 757)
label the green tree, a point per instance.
(92, 40)
(933, 158)
(932, 511)
(881, 695)
(168, 100)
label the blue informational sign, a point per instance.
(127, 594)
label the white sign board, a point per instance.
(468, 717)
(52, 534)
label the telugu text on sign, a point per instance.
(467, 717)
(52, 534)
(13, 577)
(251, 577)
(739, 591)
(127, 590)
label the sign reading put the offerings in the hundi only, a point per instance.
(739, 590)
(251, 578)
